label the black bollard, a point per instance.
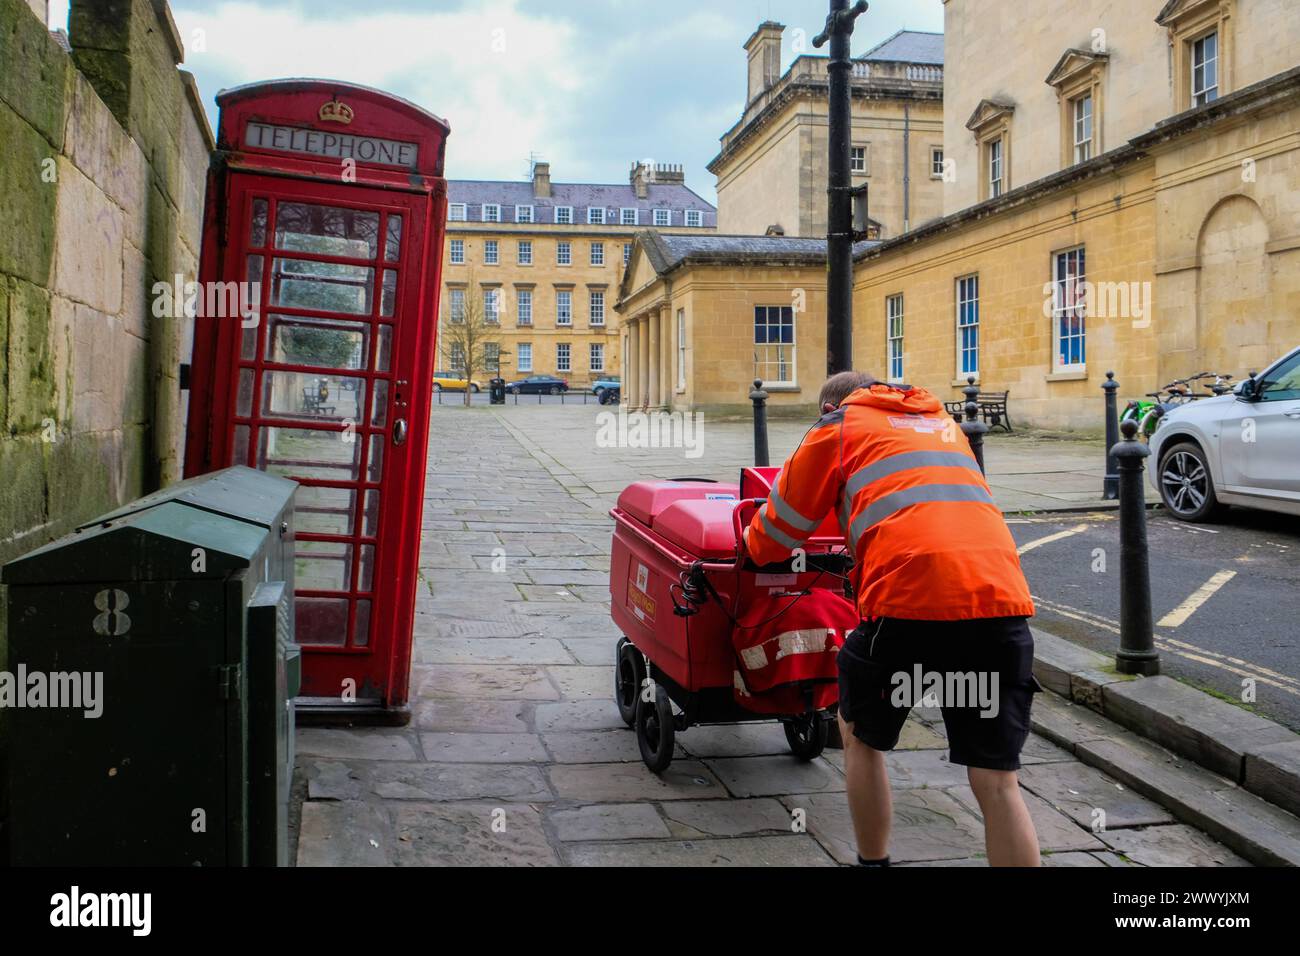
(1137, 649)
(975, 432)
(971, 391)
(1110, 484)
(759, 398)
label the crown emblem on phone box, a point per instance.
(336, 111)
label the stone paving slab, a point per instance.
(596, 746)
(471, 834)
(726, 818)
(1056, 831)
(469, 716)
(769, 776)
(449, 781)
(483, 748)
(1081, 791)
(621, 782)
(493, 682)
(347, 833)
(358, 744)
(793, 850)
(609, 821)
(1176, 845)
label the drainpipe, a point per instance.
(907, 166)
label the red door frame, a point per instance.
(381, 670)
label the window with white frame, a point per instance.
(456, 305)
(596, 303)
(597, 253)
(525, 356)
(564, 307)
(491, 212)
(968, 325)
(492, 356)
(457, 252)
(630, 217)
(681, 348)
(627, 253)
(1069, 310)
(1205, 69)
(894, 337)
(457, 212)
(457, 358)
(995, 168)
(563, 357)
(523, 213)
(491, 252)
(492, 306)
(524, 306)
(936, 162)
(858, 160)
(774, 344)
(525, 252)
(564, 253)
(595, 215)
(564, 215)
(694, 218)
(663, 217)
(1083, 128)
(596, 357)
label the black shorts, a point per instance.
(979, 672)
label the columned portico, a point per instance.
(630, 366)
(643, 362)
(653, 398)
(666, 355)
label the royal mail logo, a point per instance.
(917, 423)
(642, 604)
(336, 111)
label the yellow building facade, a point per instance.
(541, 262)
(772, 166)
(1168, 246)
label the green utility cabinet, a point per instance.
(182, 604)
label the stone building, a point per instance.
(542, 260)
(1124, 198)
(772, 166)
(102, 172)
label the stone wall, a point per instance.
(102, 173)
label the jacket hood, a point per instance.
(904, 399)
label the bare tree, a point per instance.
(471, 334)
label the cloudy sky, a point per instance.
(588, 85)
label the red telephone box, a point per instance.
(327, 203)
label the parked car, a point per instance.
(447, 382)
(603, 385)
(538, 385)
(1237, 449)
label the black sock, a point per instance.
(883, 861)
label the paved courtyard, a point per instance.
(515, 754)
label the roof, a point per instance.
(675, 197)
(908, 46)
(667, 251)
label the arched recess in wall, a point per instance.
(1234, 305)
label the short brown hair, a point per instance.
(840, 385)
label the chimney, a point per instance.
(640, 178)
(764, 49)
(542, 180)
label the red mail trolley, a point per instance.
(326, 207)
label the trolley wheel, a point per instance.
(654, 728)
(629, 674)
(807, 735)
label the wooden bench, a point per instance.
(311, 402)
(992, 406)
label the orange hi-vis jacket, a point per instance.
(929, 543)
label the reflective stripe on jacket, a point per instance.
(928, 540)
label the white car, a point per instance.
(1237, 449)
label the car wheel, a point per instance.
(1186, 487)
(555, 390)
(513, 391)
(474, 389)
(436, 387)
